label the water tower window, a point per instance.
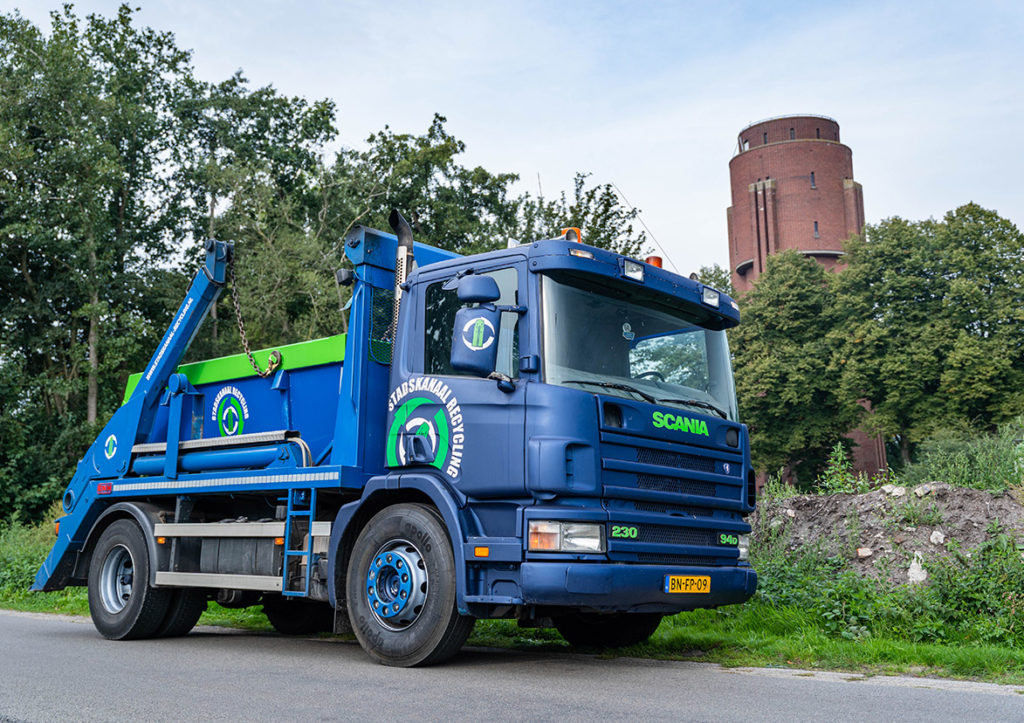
(817, 132)
(746, 144)
(812, 180)
(816, 234)
(765, 137)
(792, 134)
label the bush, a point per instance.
(969, 599)
(992, 462)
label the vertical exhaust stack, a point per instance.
(403, 262)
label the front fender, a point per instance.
(384, 491)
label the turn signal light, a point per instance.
(482, 551)
(278, 541)
(545, 536)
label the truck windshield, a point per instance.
(628, 342)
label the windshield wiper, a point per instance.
(613, 385)
(698, 403)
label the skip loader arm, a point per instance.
(109, 456)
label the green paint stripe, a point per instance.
(329, 350)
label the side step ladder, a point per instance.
(298, 542)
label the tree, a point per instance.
(931, 322)
(596, 210)
(87, 204)
(466, 210)
(786, 382)
(717, 278)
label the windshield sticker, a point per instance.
(425, 407)
(680, 423)
(230, 411)
(478, 334)
(627, 332)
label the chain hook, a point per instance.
(274, 361)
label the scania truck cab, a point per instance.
(546, 432)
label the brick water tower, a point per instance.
(792, 188)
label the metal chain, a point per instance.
(274, 361)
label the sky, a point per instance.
(649, 96)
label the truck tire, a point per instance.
(401, 589)
(183, 612)
(616, 630)
(298, 616)
(122, 603)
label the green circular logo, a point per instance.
(230, 416)
(110, 447)
(433, 428)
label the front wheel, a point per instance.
(615, 630)
(401, 589)
(122, 603)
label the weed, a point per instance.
(919, 513)
(987, 461)
(775, 488)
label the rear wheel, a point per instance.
(615, 630)
(183, 612)
(401, 589)
(122, 603)
(298, 616)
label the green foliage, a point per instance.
(992, 462)
(786, 382)
(968, 600)
(595, 209)
(931, 317)
(919, 513)
(777, 488)
(717, 278)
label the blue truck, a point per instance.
(546, 433)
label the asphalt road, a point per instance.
(58, 668)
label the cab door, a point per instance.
(467, 427)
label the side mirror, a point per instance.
(475, 289)
(475, 338)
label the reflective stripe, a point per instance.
(277, 479)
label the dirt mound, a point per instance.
(882, 532)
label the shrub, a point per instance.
(992, 462)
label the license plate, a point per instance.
(687, 583)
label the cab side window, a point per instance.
(441, 306)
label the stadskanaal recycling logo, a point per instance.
(425, 407)
(230, 411)
(478, 333)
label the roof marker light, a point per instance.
(633, 270)
(581, 253)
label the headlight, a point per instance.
(744, 547)
(550, 536)
(709, 296)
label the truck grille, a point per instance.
(669, 492)
(674, 484)
(674, 510)
(644, 455)
(666, 535)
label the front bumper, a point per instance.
(629, 587)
